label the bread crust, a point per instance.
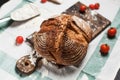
(63, 39)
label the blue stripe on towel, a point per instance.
(96, 62)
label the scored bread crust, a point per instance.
(63, 39)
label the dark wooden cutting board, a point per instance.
(97, 22)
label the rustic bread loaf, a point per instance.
(63, 39)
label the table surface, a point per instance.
(108, 8)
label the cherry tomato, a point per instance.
(97, 5)
(104, 49)
(19, 40)
(92, 6)
(43, 1)
(112, 32)
(82, 8)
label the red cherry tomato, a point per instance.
(43, 1)
(92, 6)
(104, 49)
(82, 8)
(112, 32)
(19, 40)
(97, 5)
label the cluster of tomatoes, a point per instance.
(104, 48)
(91, 6)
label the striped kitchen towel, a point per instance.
(97, 62)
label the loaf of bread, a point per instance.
(63, 39)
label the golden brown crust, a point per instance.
(62, 40)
